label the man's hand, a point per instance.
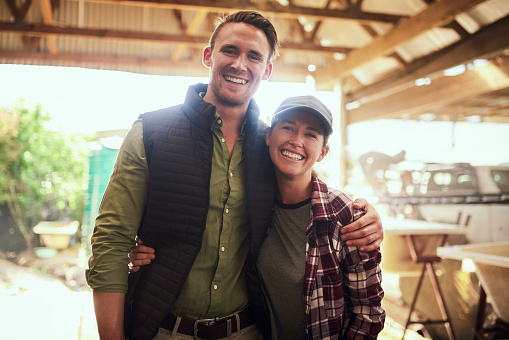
(367, 231)
(140, 255)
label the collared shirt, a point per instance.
(342, 285)
(216, 284)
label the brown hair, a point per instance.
(252, 18)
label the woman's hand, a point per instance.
(140, 255)
(367, 232)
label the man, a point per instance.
(195, 182)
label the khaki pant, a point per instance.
(248, 333)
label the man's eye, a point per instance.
(255, 57)
(289, 128)
(312, 135)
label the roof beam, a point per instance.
(441, 92)
(47, 19)
(139, 64)
(436, 15)
(45, 30)
(265, 7)
(198, 18)
(488, 40)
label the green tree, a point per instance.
(43, 174)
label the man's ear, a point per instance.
(325, 151)
(267, 136)
(207, 54)
(268, 71)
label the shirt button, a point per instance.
(215, 287)
(219, 121)
(227, 210)
(231, 174)
(222, 248)
(222, 140)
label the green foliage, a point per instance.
(43, 174)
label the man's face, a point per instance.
(238, 63)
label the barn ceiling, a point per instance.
(405, 59)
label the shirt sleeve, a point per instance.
(119, 216)
(362, 278)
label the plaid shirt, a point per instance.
(342, 286)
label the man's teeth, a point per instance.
(292, 155)
(235, 80)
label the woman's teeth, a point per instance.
(291, 155)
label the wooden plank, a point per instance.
(441, 92)
(264, 7)
(436, 15)
(491, 39)
(284, 72)
(198, 19)
(47, 19)
(199, 41)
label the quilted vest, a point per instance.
(178, 144)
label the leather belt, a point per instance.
(212, 329)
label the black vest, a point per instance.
(178, 144)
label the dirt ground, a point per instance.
(49, 299)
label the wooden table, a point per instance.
(491, 254)
(411, 229)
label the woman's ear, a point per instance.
(267, 136)
(325, 151)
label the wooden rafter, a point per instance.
(441, 92)
(47, 19)
(44, 30)
(198, 19)
(181, 67)
(287, 12)
(489, 40)
(436, 15)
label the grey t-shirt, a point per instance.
(281, 264)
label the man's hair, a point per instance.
(252, 18)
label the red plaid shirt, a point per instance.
(342, 285)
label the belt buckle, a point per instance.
(206, 322)
(214, 321)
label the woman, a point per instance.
(316, 286)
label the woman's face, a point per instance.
(296, 143)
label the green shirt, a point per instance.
(216, 284)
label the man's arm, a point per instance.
(109, 313)
(367, 231)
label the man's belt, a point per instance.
(216, 328)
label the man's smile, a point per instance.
(236, 80)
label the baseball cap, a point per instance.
(307, 103)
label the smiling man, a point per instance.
(196, 184)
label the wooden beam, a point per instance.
(198, 19)
(489, 40)
(436, 15)
(264, 7)
(47, 19)
(441, 92)
(283, 72)
(45, 30)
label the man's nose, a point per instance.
(239, 63)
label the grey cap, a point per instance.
(307, 103)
